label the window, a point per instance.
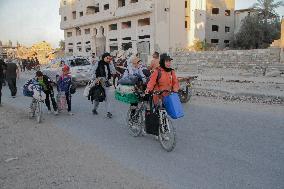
(215, 10)
(144, 22)
(215, 28)
(112, 27)
(125, 25)
(215, 41)
(121, 3)
(113, 48)
(69, 34)
(88, 49)
(95, 31)
(185, 24)
(70, 50)
(134, 1)
(79, 49)
(88, 42)
(70, 43)
(126, 38)
(81, 14)
(126, 46)
(227, 43)
(97, 8)
(87, 31)
(106, 6)
(64, 2)
(65, 18)
(78, 31)
(227, 12)
(144, 37)
(90, 10)
(185, 4)
(74, 14)
(227, 29)
(113, 39)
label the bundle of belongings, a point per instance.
(33, 89)
(95, 91)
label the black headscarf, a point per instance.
(163, 59)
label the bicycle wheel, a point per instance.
(134, 123)
(167, 134)
(39, 112)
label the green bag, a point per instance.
(128, 98)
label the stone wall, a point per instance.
(189, 61)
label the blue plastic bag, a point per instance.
(173, 106)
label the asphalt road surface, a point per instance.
(218, 145)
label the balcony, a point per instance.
(133, 9)
(108, 15)
(144, 30)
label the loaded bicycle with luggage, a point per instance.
(34, 90)
(146, 117)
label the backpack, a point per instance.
(72, 89)
(97, 93)
(160, 75)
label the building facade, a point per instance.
(144, 25)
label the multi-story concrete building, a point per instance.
(144, 25)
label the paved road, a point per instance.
(219, 146)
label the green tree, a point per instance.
(250, 35)
(267, 8)
(61, 45)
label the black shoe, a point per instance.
(95, 112)
(109, 115)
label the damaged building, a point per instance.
(144, 25)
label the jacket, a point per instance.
(102, 69)
(48, 83)
(167, 81)
(64, 83)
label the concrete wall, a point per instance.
(183, 61)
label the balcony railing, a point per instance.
(132, 9)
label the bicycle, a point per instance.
(136, 120)
(36, 106)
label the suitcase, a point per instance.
(152, 123)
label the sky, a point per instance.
(31, 21)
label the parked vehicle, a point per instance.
(80, 69)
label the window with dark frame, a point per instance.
(215, 28)
(215, 10)
(227, 12)
(121, 3)
(227, 29)
(215, 41)
(106, 6)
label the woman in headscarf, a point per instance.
(163, 78)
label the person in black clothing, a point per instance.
(3, 67)
(46, 84)
(12, 73)
(102, 73)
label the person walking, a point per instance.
(3, 67)
(12, 73)
(155, 63)
(102, 72)
(46, 83)
(64, 82)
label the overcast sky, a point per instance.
(30, 21)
